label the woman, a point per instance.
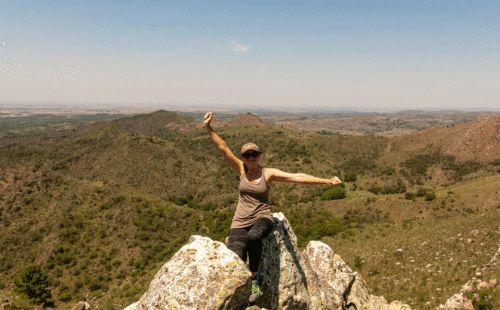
(253, 220)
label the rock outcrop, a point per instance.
(204, 274)
(81, 305)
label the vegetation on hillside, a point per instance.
(100, 210)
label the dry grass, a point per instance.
(438, 255)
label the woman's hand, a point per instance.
(208, 119)
(334, 181)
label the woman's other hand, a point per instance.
(334, 181)
(208, 118)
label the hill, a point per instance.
(160, 123)
(101, 211)
(247, 119)
(477, 141)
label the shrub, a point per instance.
(6, 263)
(65, 296)
(359, 165)
(28, 200)
(334, 193)
(119, 199)
(351, 177)
(410, 196)
(421, 192)
(430, 196)
(33, 283)
(93, 254)
(398, 188)
(358, 262)
(58, 272)
(95, 285)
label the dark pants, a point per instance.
(249, 239)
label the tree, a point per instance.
(33, 283)
(334, 193)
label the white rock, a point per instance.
(204, 274)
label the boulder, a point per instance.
(458, 302)
(284, 284)
(359, 297)
(328, 276)
(81, 305)
(205, 274)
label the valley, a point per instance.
(102, 202)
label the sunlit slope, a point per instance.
(160, 123)
(427, 257)
(474, 141)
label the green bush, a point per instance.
(421, 192)
(118, 199)
(6, 263)
(334, 193)
(358, 262)
(65, 296)
(410, 196)
(351, 177)
(398, 188)
(430, 196)
(33, 283)
(359, 165)
(28, 200)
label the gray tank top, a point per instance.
(253, 203)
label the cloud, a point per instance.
(240, 48)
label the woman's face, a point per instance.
(253, 160)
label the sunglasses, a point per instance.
(248, 155)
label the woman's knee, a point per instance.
(238, 248)
(238, 242)
(261, 229)
(254, 236)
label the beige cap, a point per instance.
(249, 147)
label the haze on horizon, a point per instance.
(360, 55)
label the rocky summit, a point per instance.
(205, 274)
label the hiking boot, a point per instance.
(255, 291)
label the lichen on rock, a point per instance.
(205, 274)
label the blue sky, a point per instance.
(364, 55)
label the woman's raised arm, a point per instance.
(300, 178)
(231, 159)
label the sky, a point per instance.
(361, 55)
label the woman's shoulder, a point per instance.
(269, 170)
(268, 173)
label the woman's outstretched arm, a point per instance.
(232, 160)
(300, 178)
